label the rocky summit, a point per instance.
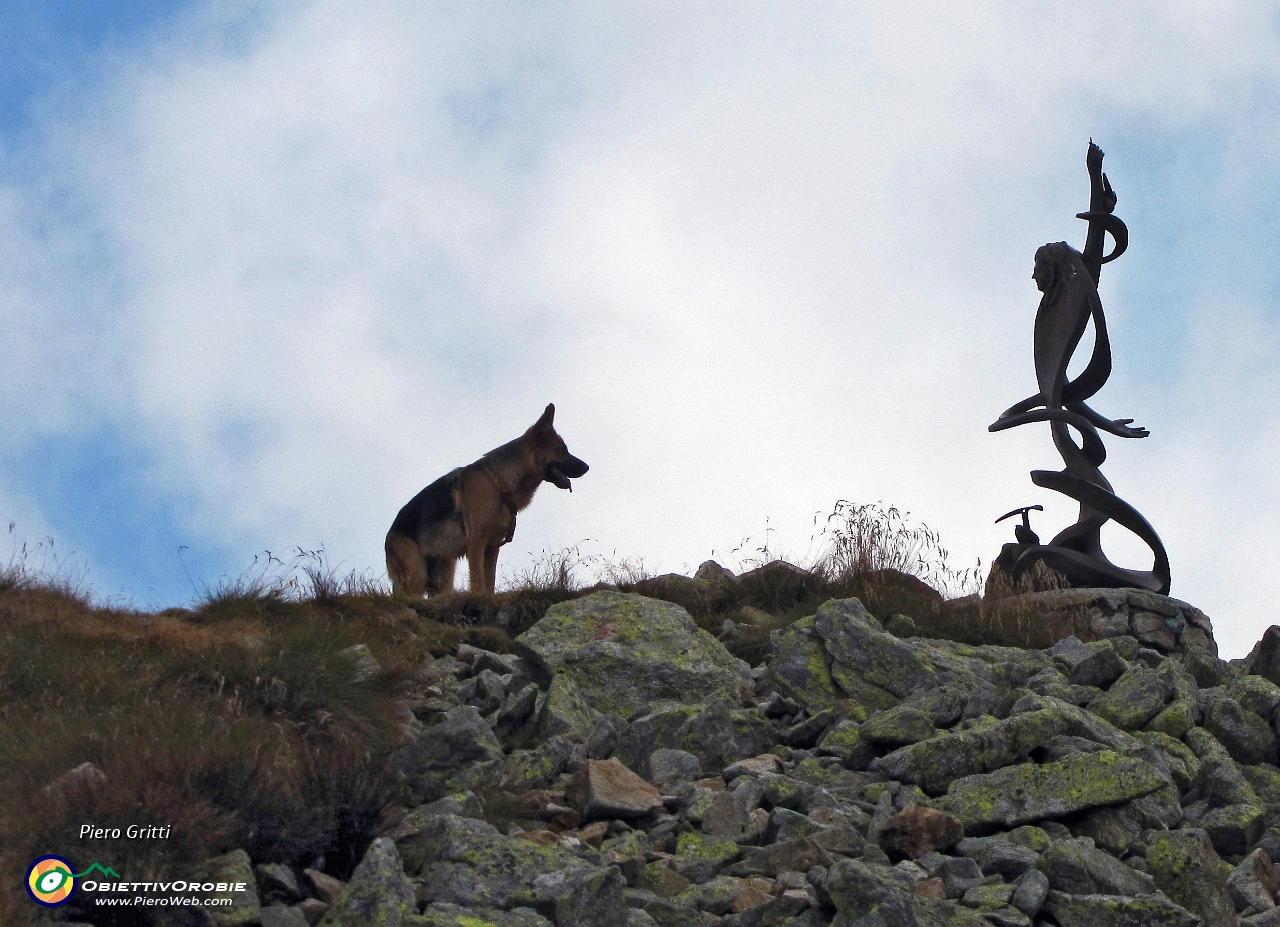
(626, 771)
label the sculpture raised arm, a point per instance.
(1069, 281)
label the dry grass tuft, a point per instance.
(241, 723)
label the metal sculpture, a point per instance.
(1069, 281)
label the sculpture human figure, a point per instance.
(1068, 279)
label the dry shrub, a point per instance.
(866, 541)
(250, 729)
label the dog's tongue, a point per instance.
(556, 476)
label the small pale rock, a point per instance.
(325, 887)
(613, 791)
(754, 766)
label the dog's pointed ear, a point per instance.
(544, 423)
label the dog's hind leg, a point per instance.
(439, 572)
(405, 566)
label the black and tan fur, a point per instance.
(472, 511)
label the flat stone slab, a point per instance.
(1117, 911)
(1027, 793)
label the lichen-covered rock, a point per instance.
(626, 652)
(467, 862)
(447, 914)
(1256, 694)
(870, 894)
(1185, 867)
(712, 731)
(868, 663)
(1117, 911)
(699, 858)
(798, 668)
(1028, 793)
(377, 892)
(1248, 738)
(440, 753)
(234, 868)
(1100, 668)
(565, 711)
(935, 763)
(595, 902)
(900, 725)
(1030, 892)
(1135, 698)
(1077, 867)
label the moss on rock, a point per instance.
(1027, 793)
(626, 652)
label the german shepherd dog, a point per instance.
(472, 511)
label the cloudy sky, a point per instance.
(266, 269)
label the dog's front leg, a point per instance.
(477, 555)
(491, 568)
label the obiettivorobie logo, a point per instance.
(51, 882)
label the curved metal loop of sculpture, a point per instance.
(1069, 280)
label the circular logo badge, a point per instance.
(50, 881)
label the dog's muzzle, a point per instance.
(562, 471)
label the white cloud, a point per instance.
(761, 260)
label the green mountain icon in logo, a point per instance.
(108, 871)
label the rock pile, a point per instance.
(634, 773)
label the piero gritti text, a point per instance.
(132, 832)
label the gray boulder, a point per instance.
(626, 652)
(445, 751)
(1135, 698)
(1185, 867)
(1265, 660)
(467, 862)
(1254, 883)
(377, 893)
(869, 664)
(234, 868)
(565, 710)
(1077, 867)
(596, 902)
(1248, 738)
